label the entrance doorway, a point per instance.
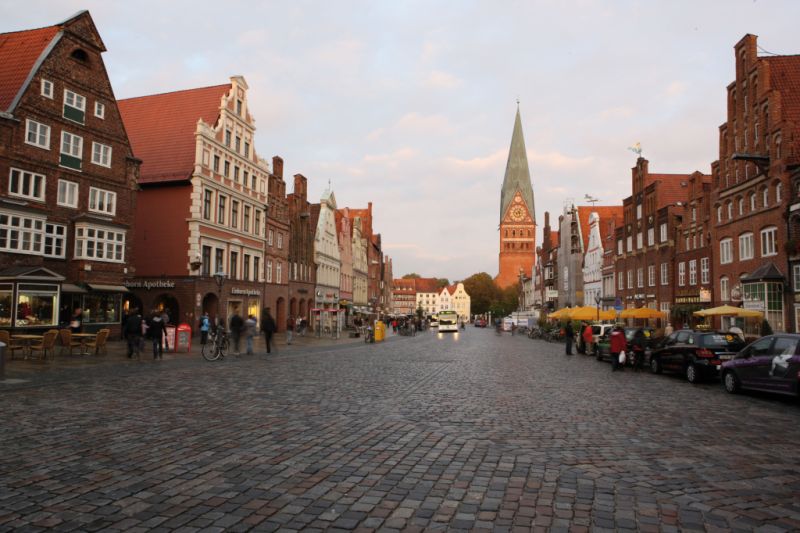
(168, 303)
(211, 306)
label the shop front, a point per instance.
(29, 298)
(245, 302)
(686, 304)
(763, 291)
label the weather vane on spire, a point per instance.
(636, 148)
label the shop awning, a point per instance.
(108, 288)
(72, 288)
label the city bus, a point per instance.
(448, 321)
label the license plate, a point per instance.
(725, 357)
(719, 366)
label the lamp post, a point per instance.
(597, 302)
(219, 277)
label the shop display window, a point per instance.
(36, 305)
(6, 298)
(101, 308)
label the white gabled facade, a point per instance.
(455, 298)
(326, 254)
(593, 264)
(360, 266)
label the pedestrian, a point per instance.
(205, 325)
(155, 330)
(76, 320)
(303, 327)
(165, 321)
(250, 331)
(668, 330)
(569, 336)
(133, 332)
(588, 338)
(289, 329)
(236, 325)
(268, 327)
(638, 343)
(618, 346)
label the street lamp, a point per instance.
(219, 277)
(597, 302)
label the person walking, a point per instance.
(250, 332)
(289, 329)
(165, 321)
(569, 337)
(236, 325)
(76, 320)
(588, 338)
(133, 332)
(268, 327)
(155, 330)
(205, 325)
(638, 344)
(618, 346)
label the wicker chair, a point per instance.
(66, 341)
(99, 343)
(11, 346)
(48, 344)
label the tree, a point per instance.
(766, 329)
(413, 275)
(482, 292)
(442, 282)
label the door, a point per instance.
(782, 375)
(753, 364)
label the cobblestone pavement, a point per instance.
(467, 432)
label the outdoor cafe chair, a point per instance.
(99, 343)
(11, 346)
(66, 341)
(47, 344)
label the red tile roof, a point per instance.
(605, 212)
(673, 188)
(161, 129)
(19, 52)
(427, 285)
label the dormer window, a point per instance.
(80, 55)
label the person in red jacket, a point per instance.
(587, 338)
(618, 344)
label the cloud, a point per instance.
(442, 80)
(675, 88)
(558, 160)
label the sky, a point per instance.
(410, 104)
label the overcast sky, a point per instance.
(411, 104)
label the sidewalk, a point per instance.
(26, 370)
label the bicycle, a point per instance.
(217, 345)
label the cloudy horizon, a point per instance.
(410, 105)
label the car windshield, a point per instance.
(718, 340)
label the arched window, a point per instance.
(765, 196)
(740, 201)
(730, 210)
(777, 147)
(719, 213)
(752, 201)
(778, 192)
(724, 294)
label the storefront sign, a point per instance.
(705, 295)
(246, 292)
(736, 293)
(694, 299)
(754, 305)
(150, 284)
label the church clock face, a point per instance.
(517, 213)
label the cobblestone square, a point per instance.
(455, 432)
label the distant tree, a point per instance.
(413, 275)
(766, 329)
(482, 292)
(442, 282)
(420, 312)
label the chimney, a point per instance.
(300, 183)
(277, 166)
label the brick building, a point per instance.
(755, 188)
(344, 235)
(202, 205)
(404, 296)
(303, 275)
(67, 181)
(276, 252)
(547, 283)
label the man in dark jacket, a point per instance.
(569, 336)
(156, 330)
(236, 331)
(132, 329)
(269, 327)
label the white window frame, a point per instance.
(278, 271)
(630, 279)
(796, 277)
(681, 274)
(72, 143)
(726, 251)
(95, 242)
(619, 247)
(651, 236)
(639, 240)
(102, 201)
(39, 130)
(47, 88)
(55, 237)
(651, 275)
(769, 245)
(26, 232)
(640, 277)
(746, 246)
(664, 274)
(663, 231)
(268, 266)
(620, 281)
(724, 294)
(693, 272)
(270, 236)
(629, 246)
(100, 110)
(68, 190)
(280, 242)
(719, 213)
(778, 192)
(31, 178)
(752, 201)
(101, 154)
(79, 101)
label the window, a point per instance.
(752, 201)
(247, 150)
(238, 144)
(269, 270)
(620, 281)
(216, 163)
(619, 247)
(227, 169)
(269, 237)
(278, 272)
(724, 295)
(67, 193)
(730, 210)
(99, 110)
(741, 206)
(778, 192)
(651, 236)
(639, 240)
(206, 261)
(704, 270)
(207, 204)
(768, 238)
(796, 277)
(681, 274)
(239, 107)
(726, 251)
(26, 184)
(234, 273)
(638, 211)
(651, 276)
(74, 106)
(246, 267)
(55, 240)
(630, 279)
(765, 197)
(256, 268)
(221, 210)
(227, 137)
(664, 274)
(693, 272)
(686, 247)
(236, 173)
(246, 223)
(280, 240)
(719, 213)
(234, 214)
(21, 233)
(71, 150)
(663, 230)
(746, 246)
(252, 182)
(640, 277)
(102, 201)
(257, 223)
(101, 154)
(218, 260)
(47, 88)
(99, 243)
(37, 134)
(630, 243)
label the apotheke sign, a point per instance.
(150, 284)
(246, 292)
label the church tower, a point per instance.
(517, 214)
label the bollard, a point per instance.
(2, 361)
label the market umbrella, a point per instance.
(561, 313)
(729, 310)
(642, 312)
(590, 313)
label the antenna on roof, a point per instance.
(590, 199)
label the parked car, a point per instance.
(602, 350)
(769, 364)
(600, 330)
(480, 323)
(695, 354)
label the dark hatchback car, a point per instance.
(603, 349)
(771, 364)
(695, 354)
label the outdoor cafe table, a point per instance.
(84, 338)
(27, 340)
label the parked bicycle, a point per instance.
(216, 346)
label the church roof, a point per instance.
(518, 177)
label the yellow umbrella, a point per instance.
(590, 313)
(728, 310)
(642, 312)
(561, 313)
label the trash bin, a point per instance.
(380, 331)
